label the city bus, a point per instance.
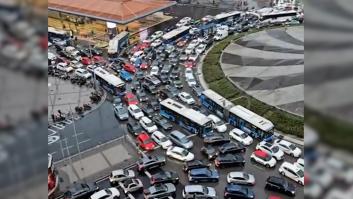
(190, 119)
(175, 34)
(227, 17)
(113, 84)
(59, 34)
(216, 103)
(276, 14)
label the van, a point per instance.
(136, 55)
(220, 35)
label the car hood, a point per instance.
(211, 191)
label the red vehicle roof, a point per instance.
(261, 153)
(143, 136)
(274, 197)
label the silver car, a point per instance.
(121, 112)
(160, 191)
(181, 139)
(121, 175)
(132, 185)
(198, 191)
(240, 178)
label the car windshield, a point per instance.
(184, 139)
(164, 139)
(137, 110)
(122, 110)
(184, 152)
(243, 135)
(275, 149)
(147, 141)
(300, 173)
(219, 123)
(132, 99)
(267, 158)
(246, 176)
(187, 97)
(205, 190)
(149, 124)
(108, 191)
(292, 147)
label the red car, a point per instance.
(144, 141)
(130, 99)
(85, 60)
(189, 64)
(144, 66)
(98, 59)
(181, 43)
(143, 45)
(129, 68)
(274, 197)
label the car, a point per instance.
(217, 123)
(134, 128)
(194, 43)
(145, 142)
(189, 73)
(189, 64)
(150, 88)
(132, 185)
(157, 35)
(200, 48)
(239, 177)
(148, 124)
(271, 149)
(129, 68)
(232, 147)
(174, 61)
(117, 101)
(121, 112)
(279, 184)
(229, 160)
(238, 191)
(199, 192)
(126, 76)
(153, 80)
(64, 67)
(181, 43)
(83, 73)
(159, 191)
(154, 70)
(109, 193)
(86, 61)
(172, 90)
(299, 163)
(292, 172)
(81, 190)
(130, 99)
(209, 151)
(194, 31)
(263, 158)
(203, 175)
(137, 55)
(181, 139)
(184, 56)
(144, 66)
(166, 68)
(186, 98)
(195, 164)
(193, 57)
(191, 82)
(162, 122)
(288, 148)
(120, 175)
(161, 139)
(241, 136)
(169, 48)
(148, 162)
(154, 104)
(197, 89)
(135, 111)
(141, 95)
(215, 139)
(165, 177)
(165, 78)
(156, 43)
(148, 110)
(180, 154)
(189, 50)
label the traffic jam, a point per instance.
(193, 143)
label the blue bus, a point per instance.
(111, 83)
(216, 103)
(193, 121)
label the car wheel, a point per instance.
(282, 173)
(267, 165)
(300, 182)
(215, 180)
(292, 154)
(195, 181)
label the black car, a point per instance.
(139, 75)
(172, 90)
(151, 79)
(203, 175)
(197, 90)
(148, 110)
(78, 191)
(150, 88)
(164, 79)
(134, 128)
(209, 151)
(148, 162)
(232, 147)
(178, 83)
(238, 191)
(163, 123)
(162, 94)
(165, 177)
(194, 165)
(216, 139)
(281, 185)
(229, 160)
(155, 104)
(141, 95)
(175, 73)
(135, 85)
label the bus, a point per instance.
(118, 43)
(113, 84)
(59, 34)
(227, 17)
(269, 13)
(190, 119)
(175, 34)
(216, 103)
(251, 123)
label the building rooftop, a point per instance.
(118, 11)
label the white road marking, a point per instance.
(148, 174)
(77, 134)
(53, 132)
(84, 141)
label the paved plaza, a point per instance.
(269, 66)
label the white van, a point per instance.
(220, 35)
(138, 54)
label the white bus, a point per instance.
(175, 34)
(190, 119)
(60, 34)
(227, 16)
(108, 81)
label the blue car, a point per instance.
(126, 76)
(203, 175)
(238, 191)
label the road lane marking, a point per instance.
(84, 141)
(148, 174)
(53, 132)
(77, 134)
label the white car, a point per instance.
(191, 82)
(200, 48)
(239, 177)
(180, 154)
(135, 111)
(157, 35)
(109, 193)
(148, 125)
(263, 158)
(288, 148)
(241, 136)
(189, 73)
(154, 70)
(193, 57)
(121, 175)
(186, 97)
(193, 31)
(156, 43)
(136, 55)
(300, 163)
(218, 124)
(271, 149)
(194, 43)
(189, 50)
(83, 73)
(64, 67)
(293, 172)
(161, 139)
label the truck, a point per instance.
(118, 43)
(220, 35)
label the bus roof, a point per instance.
(252, 117)
(108, 77)
(189, 113)
(55, 31)
(274, 11)
(217, 98)
(226, 15)
(175, 32)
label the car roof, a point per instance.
(177, 149)
(158, 134)
(146, 119)
(236, 174)
(261, 153)
(291, 166)
(100, 194)
(199, 171)
(275, 179)
(234, 187)
(285, 142)
(213, 117)
(143, 136)
(193, 188)
(177, 133)
(117, 172)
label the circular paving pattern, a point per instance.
(269, 65)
